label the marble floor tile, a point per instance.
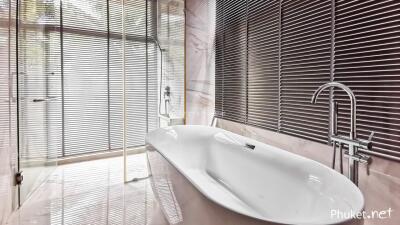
(93, 192)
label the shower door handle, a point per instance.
(44, 99)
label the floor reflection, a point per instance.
(93, 193)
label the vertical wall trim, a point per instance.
(279, 64)
(62, 80)
(108, 76)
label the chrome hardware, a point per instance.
(352, 141)
(38, 100)
(359, 143)
(371, 136)
(334, 116)
(361, 158)
(44, 99)
(167, 99)
(250, 146)
(334, 156)
(19, 178)
(214, 122)
(341, 157)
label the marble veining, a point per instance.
(200, 55)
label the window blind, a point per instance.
(8, 94)
(142, 80)
(367, 53)
(70, 63)
(305, 65)
(115, 74)
(85, 94)
(234, 60)
(85, 76)
(6, 76)
(5, 80)
(263, 63)
(219, 59)
(296, 46)
(39, 75)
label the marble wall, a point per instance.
(170, 33)
(381, 186)
(8, 138)
(200, 69)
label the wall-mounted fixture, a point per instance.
(166, 119)
(167, 99)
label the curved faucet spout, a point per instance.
(352, 102)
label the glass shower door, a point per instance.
(39, 85)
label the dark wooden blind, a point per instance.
(263, 63)
(367, 59)
(219, 58)
(285, 49)
(305, 65)
(232, 64)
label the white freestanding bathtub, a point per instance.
(265, 183)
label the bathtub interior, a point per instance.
(265, 183)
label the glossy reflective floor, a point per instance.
(93, 192)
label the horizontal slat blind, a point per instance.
(115, 92)
(6, 78)
(153, 67)
(367, 60)
(39, 80)
(142, 114)
(5, 86)
(85, 91)
(85, 77)
(234, 62)
(115, 74)
(352, 42)
(219, 58)
(263, 63)
(70, 63)
(136, 92)
(305, 65)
